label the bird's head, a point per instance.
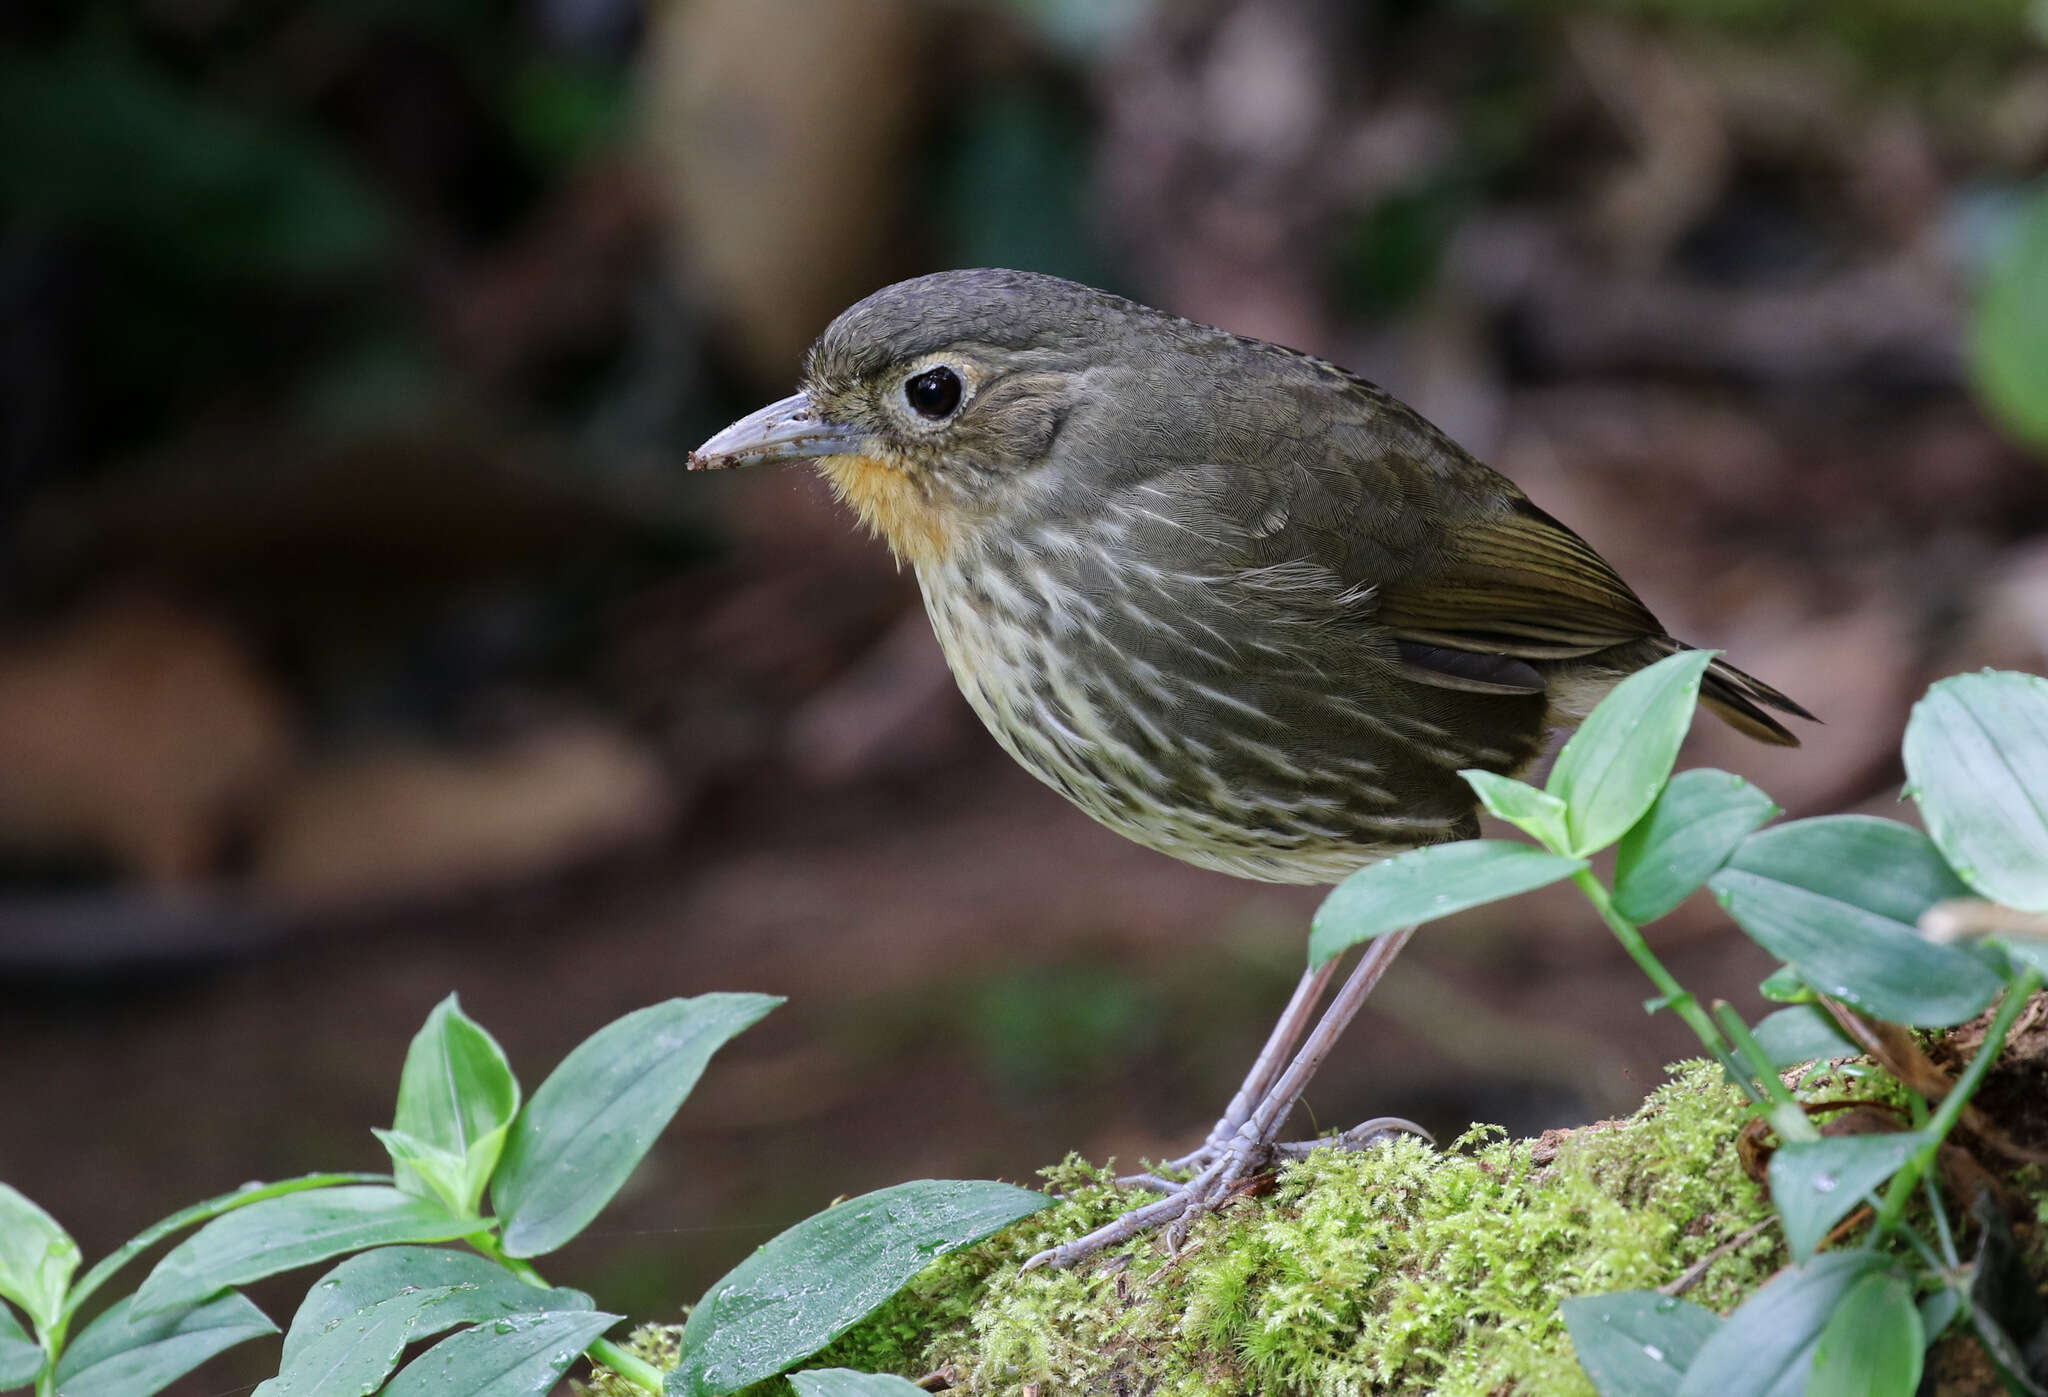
(933, 406)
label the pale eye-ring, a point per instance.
(934, 394)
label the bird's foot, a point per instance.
(1204, 1193)
(1222, 1172)
(1162, 1177)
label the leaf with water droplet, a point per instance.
(1976, 747)
(119, 1354)
(1697, 822)
(296, 1229)
(1816, 1183)
(476, 1287)
(596, 1116)
(1636, 1343)
(1612, 769)
(1425, 884)
(1766, 1348)
(524, 1356)
(821, 1277)
(1801, 1033)
(1872, 1345)
(844, 1382)
(1838, 898)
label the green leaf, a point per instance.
(111, 1265)
(1838, 897)
(2010, 1360)
(1424, 884)
(1614, 765)
(21, 1357)
(823, 1276)
(1697, 822)
(845, 1382)
(37, 1258)
(298, 1229)
(2024, 951)
(425, 1170)
(1636, 1343)
(1783, 986)
(369, 1277)
(1766, 1348)
(456, 1098)
(357, 1353)
(352, 1355)
(1873, 1345)
(1938, 1311)
(1802, 1033)
(1817, 1183)
(518, 1356)
(1977, 762)
(2009, 335)
(597, 1114)
(358, 1318)
(1538, 814)
(120, 1356)
(2006, 1308)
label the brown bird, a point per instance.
(1236, 603)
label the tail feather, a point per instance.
(1736, 699)
(1739, 700)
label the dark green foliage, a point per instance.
(551, 1166)
(1840, 899)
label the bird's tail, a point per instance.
(1739, 700)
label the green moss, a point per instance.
(1399, 1269)
(1396, 1270)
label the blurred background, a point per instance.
(362, 640)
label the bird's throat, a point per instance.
(894, 504)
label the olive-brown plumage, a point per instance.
(1236, 603)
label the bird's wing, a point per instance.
(1517, 583)
(1469, 579)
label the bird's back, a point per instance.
(1272, 613)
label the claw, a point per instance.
(1224, 1175)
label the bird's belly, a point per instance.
(1173, 758)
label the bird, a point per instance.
(1238, 604)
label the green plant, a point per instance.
(1839, 899)
(549, 1166)
(2009, 333)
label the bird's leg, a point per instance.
(1294, 1021)
(1253, 1141)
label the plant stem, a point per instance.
(1787, 1117)
(1941, 1227)
(634, 1369)
(1908, 1178)
(1676, 995)
(487, 1243)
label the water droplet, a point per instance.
(503, 1326)
(1824, 1183)
(1656, 1354)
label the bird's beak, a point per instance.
(778, 433)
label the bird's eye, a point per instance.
(933, 393)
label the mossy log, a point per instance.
(1399, 1269)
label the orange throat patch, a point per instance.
(895, 506)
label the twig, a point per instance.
(1690, 1276)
